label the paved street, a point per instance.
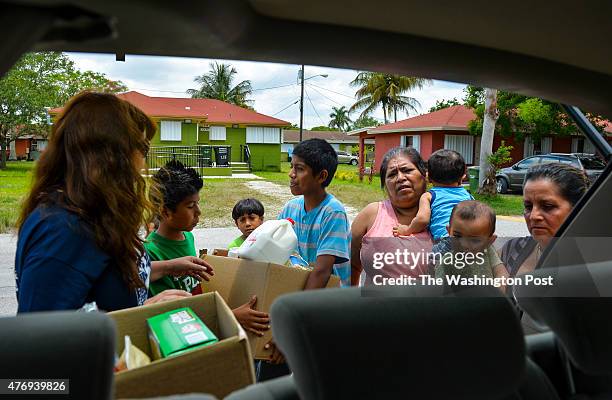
(210, 238)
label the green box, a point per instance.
(176, 332)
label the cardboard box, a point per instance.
(218, 369)
(236, 280)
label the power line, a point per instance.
(313, 107)
(283, 109)
(333, 91)
(275, 87)
(330, 99)
(184, 92)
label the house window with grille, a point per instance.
(218, 133)
(170, 130)
(262, 134)
(462, 144)
(581, 145)
(413, 141)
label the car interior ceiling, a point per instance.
(553, 50)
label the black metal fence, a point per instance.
(201, 156)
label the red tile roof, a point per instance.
(214, 111)
(293, 136)
(451, 118)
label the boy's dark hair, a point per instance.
(408, 152)
(247, 206)
(470, 210)
(175, 182)
(446, 166)
(571, 182)
(318, 155)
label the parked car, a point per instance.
(347, 158)
(512, 178)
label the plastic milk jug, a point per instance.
(273, 241)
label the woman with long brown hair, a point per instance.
(79, 226)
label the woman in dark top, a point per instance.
(78, 230)
(549, 194)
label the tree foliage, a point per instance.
(496, 160)
(365, 121)
(218, 84)
(442, 104)
(521, 116)
(39, 81)
(375, 89)
(323, 128)
(340, 119)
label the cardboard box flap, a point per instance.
(236, 280)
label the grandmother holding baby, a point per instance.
(402, 177)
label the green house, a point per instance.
(254, 139)
(196, 131)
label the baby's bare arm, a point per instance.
(421, 220)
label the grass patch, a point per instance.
(15, 182)
(345, 186)
(503, 204)
(218, 197)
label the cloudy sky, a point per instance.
(172, 76)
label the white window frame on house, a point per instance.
(587, 146)
(170, 130)
(462, 144)
(416, 142)
(530, 148)
(546, 145)
(217, 133)
(263, 134)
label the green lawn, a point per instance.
(504, 204)
(14, 183)
(345, 186)
(219, 195)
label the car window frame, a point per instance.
(537, 157)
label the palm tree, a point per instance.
(340, 119)
(377, 89)
(217, 84)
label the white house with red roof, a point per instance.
(193, 122)
(448, 129)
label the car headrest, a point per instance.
(61, 345)
(340, 344)
(577, 308)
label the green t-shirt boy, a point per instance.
(161, 248)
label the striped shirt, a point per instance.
(324, 230)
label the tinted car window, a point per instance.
(529, 162)
(592, 163)
(571, 161)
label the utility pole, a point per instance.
(302, 103)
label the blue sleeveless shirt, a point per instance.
(443, 199)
